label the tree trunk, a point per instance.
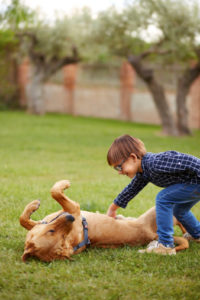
(158, 94)
(35, 93)
(183, 87)
(182, 111)
(43, 68)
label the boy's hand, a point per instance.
(112, 210)
(111, 213)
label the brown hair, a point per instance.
(123, 146)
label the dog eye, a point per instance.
(51, 230)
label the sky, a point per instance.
(49, 7)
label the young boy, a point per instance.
(177, 173)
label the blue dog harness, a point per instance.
(86, 241)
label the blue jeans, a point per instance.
(176, 200)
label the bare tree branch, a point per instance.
(155, 50)
(55, 63)
(31, 35)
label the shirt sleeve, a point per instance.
(175, 162)
(130, 191)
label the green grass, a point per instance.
(35, 152)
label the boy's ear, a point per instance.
(134, 156)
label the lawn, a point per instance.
(35, 152)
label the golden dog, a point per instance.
(69, 231)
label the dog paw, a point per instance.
(60, 186)
(66, 184)
(34, 205)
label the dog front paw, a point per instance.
(33, 206)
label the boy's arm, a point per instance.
(129, 192)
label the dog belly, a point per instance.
(107, 231)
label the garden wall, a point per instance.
(104, 102)
(111, 92)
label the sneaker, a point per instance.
(188, 237)
(158, 248)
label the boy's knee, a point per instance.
(160, 197)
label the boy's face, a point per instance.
(130, 166)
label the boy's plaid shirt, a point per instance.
(162, 169)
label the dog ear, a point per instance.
(28, 252)
(26, 255)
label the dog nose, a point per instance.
(70, 218)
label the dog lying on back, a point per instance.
(70, 230)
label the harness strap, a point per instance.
(86, 241)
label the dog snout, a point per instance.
(70, 218)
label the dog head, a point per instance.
(49, 241)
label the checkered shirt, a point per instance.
(162, 169)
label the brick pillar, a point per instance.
(195, 104)
(70, 74)
(127, 79)
(23, 74)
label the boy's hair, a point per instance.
(123, 146)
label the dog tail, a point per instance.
(182, 243)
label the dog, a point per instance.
(70, 230)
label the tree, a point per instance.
(48, 46)
(175, 43)
(52, 46)
(8, 68)
(45, 61)
(122, 39)
(17, 15)
(179, 23)
(157, 91)
(11, 19)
